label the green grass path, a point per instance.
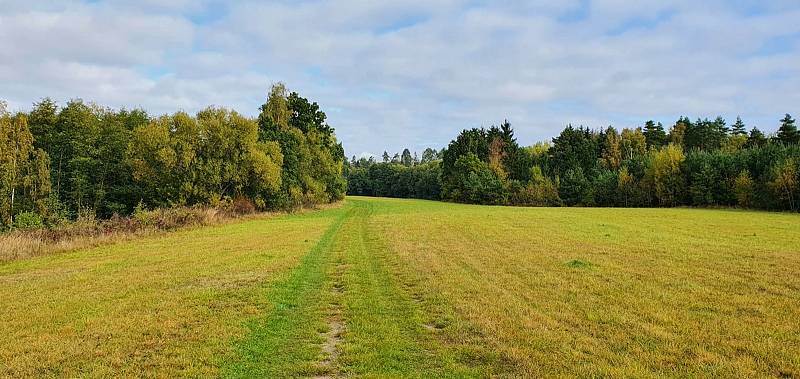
(286, 342)
(343, 312)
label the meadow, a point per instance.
(410, 288)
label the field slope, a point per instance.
(388, 288)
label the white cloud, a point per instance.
(413, 74)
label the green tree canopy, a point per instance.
(787, 132)
(654, 134)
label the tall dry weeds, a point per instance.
(21, 244)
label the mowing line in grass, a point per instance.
(388, 332)
(659, 299)
(286, 343)
(343, 312)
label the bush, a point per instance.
(744, 189)
(484, 187)
(243, 206)
(315, 194)
(540, 191)
(57, 213)
(785, 183)
(141, 216)
(87, 217)
(295, 199)
(28, 221)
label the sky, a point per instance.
(413, 74)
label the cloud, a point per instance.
(392, 75)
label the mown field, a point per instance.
(390, 288)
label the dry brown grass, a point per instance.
(22, 244)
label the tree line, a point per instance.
(694, 163)
(59, 163)
(402, 175)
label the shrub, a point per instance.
(315, 193)
(744, 189)
(484, 187)
(141, 216)
(540, 191)
(243, 205)
(57, 213)
(86, 217)
(28, 221)
(785, 184)
(295, 199)
(31, 239)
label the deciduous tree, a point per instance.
(665, 174)
(785, 182)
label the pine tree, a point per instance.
(720, 128)
(788, 133)
(654, 134)
(738, 128)
(507, 132)
(756, 138)
(385, 157)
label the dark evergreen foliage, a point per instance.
(788, 133)
(655, 134)
(365, 177)
(701, 163)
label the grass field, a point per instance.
(390, 288)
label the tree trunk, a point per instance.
(13, 185)
(13, 190)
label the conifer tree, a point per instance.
(787, 133)
(654, 134)
(738, 128)
(756, 138)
